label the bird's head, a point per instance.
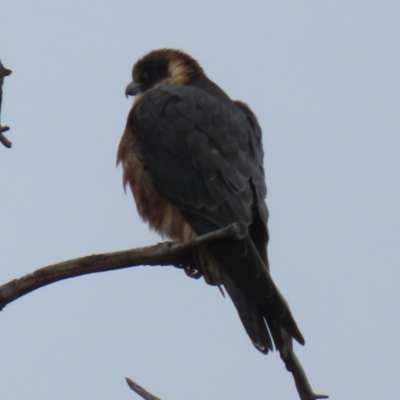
(162, 67)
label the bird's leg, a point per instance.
(192, 272)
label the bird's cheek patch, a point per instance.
(177, 74)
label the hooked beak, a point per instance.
(133, 89)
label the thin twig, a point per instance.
(293, 365)
(5, 142)
(140, 391)
(3, 73)
(164, 254)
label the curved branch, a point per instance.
(3, 73)
(164, 254)
(178, 254)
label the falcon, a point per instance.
(193, 159)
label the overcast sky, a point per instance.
(323, 78)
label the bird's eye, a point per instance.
(145, 75)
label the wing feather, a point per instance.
(194, 148)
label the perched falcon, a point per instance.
(193, 159)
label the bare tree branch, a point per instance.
(164, 254)
(293, 365)
(4, 141)
(177, 254)
(140, 391)
(3, 73)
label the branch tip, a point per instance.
(143, 393)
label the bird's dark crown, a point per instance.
(165, 66)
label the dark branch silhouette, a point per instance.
(293, 365)
(161, 254)
(177, 254)
(143, 393)
(3, 73)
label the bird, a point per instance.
(193, 159)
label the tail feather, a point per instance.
(250, 315)
(261, 307)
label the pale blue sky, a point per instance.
(323, 78)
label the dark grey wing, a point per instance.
(195, 149)
(258, 229)
(205, 156)
(256, 154)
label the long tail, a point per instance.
(261, 307)
(250, 315)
